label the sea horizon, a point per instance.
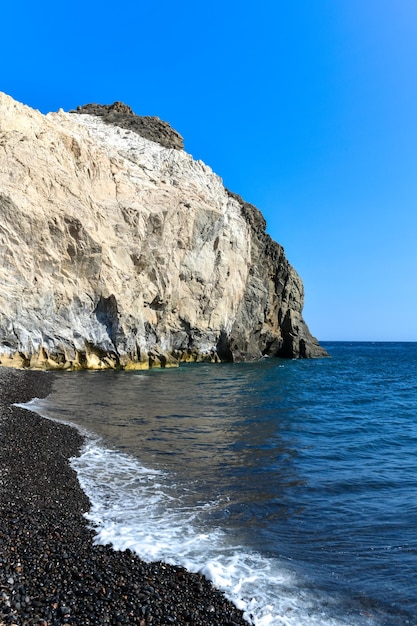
(252, 473)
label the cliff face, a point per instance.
(117, 251)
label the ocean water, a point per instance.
(291, 484)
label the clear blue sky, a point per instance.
(306, 108)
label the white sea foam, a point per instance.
(143, 509)
(138, 508)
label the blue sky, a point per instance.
(306, 108)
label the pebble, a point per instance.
(52, 574)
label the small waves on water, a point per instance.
(140, 509)
(279, 481)
(144, 510)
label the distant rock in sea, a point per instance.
(119, 250)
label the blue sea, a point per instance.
(292, 484)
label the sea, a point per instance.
(291, 484)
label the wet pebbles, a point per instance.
(50, 572)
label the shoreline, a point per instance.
(52, 573)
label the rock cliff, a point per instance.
(119, 250)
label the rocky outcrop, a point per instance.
(152, 128)
(116, 251)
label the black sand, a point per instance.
(50, 572)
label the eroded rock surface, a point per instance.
(146, 126)
(116, 251)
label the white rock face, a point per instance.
(118, 252)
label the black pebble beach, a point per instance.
(51, 572)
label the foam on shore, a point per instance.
(51, 570)
(137, 508)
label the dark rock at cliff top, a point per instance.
(149, 127)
